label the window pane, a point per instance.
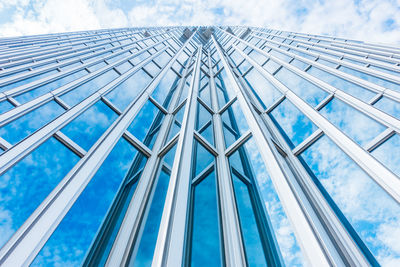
(348, 87)
(27, 184)
(144, 255)
(28, 96)
(387, 153)
(263, 89)
(389, 106)
(72, 238)
(372, 213)
(251, 237)
(168, 82)
(81, 92)
(205, 248)
(145, 122)
(90, 125)
(20, 128)
(126, 92)
(293, 122)
(352, 122)
(306, 90)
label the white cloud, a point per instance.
(371, 20)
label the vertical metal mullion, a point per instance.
(306, 235)
(170, 244)
(123, 245)
(232, 238)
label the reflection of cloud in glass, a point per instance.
(387, 153)
(294, 123)
(81, 92)
(27, 184)
(310, 93)
(20, 128)
(70, 241)
(352, 122)
(389, 106)
(348, 87)
(368, 208)
(125, 92)
(28, 96)
(262, 87)
(283, 231)
(90, 125)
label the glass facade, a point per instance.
(194, 146)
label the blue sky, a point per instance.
(370, 20)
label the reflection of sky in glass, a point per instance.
(370, 78)
(293, 122)
(373, 214)
(206, 249)
(233, 117)
(282, 229)
(306, 90)
(389, 106)
(5, 106)
(67, 246)
(28, 80)
(125, 92)
(28, 96)
(348, 87)
(251, 237)
(90, 125)
(144, 255)
(387, 153)
(203, 116)
(27, 184)
(163, 88)
(352, 122)
(20, 128)
(203, 158)
(144, 121)
(262, 87)
(81, 92)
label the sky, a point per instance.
(368, 20)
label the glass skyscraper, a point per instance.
(200, 146)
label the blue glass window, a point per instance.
(144, 255)
(27, 80)
(72, 238)
(293, 122)
(263, 89)
(146, 124)
(234, 123)
(306, 90)
(5, 106)
(28, 183)
(122, 95)
(81, 92)
(163, 92)
(251, 237)
(205, 245)
(348, 87)
(373, 214)
(370, 78)
(352, 122)
(90, 125)
(387, 153)
(20, 128)
(389, 106)
(282, 230)
(28, 96)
